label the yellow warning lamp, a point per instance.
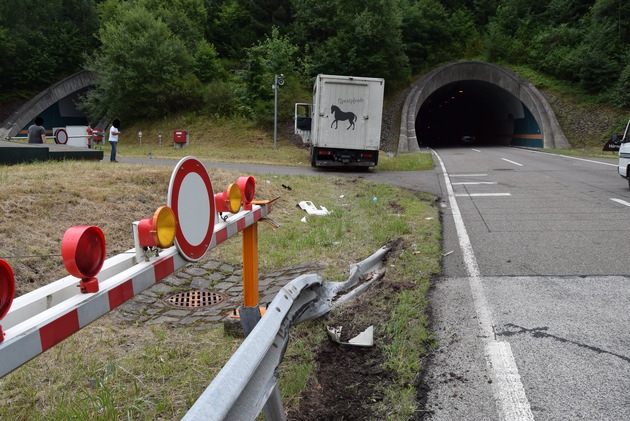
(83, 253)
(247, 186)
(229, 200)
(159, 230)
(7, 291)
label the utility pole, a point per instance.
(277, 82)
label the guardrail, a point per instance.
(247, 384)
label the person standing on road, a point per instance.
(113, 139)
(36, 132)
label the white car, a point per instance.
(624, 156)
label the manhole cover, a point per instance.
(196, 298)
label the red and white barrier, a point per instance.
(39, 320)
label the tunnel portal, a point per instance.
(462, 101)
(475, 112)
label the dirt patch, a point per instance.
(348, 381)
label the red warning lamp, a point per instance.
(247, 186)
(83, 252)
(7, 291)
(158, 231)
(229, 200)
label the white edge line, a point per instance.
(576, 158)
(509, 390)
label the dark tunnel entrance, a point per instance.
(475, 112)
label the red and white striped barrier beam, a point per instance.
(42, 318)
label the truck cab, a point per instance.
(624, 156)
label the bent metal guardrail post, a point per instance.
(249, 379)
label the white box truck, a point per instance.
(343, 124)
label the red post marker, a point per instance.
(7, 291)
(83, 252)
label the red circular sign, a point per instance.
(7, 288)
(191, 197)
(61, 136)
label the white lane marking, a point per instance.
(501, 359)
(578, 159)
(469, 175)
(476, 150)
(623, 202)
(509, 392)
(473, 183)
(482, 194)
(512, 162)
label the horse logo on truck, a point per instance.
(342, 116)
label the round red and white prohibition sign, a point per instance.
(191, 197)
(61, 136)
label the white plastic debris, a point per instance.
(311, 209)
(365, 338)
(303, 220)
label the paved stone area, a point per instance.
(152, 305)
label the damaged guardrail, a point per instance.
(247, 384)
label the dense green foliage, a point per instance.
(42, 41)
(154, 57)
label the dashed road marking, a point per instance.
(622, 202)
(482, 194)
(473, 183)
(512, 162)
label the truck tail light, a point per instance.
(367, 155)
(7, 291)
(159, 230)
(83, 253)
(229, 200)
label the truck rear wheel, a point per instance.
(313, 157)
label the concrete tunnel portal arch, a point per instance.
(478, 99)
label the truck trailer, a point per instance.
(343, 124)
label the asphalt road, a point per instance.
(531, 313)
(532, 310)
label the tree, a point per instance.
(273, 56)
(426, 34)
(143, 69)
(43, 41)
(361, 38)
